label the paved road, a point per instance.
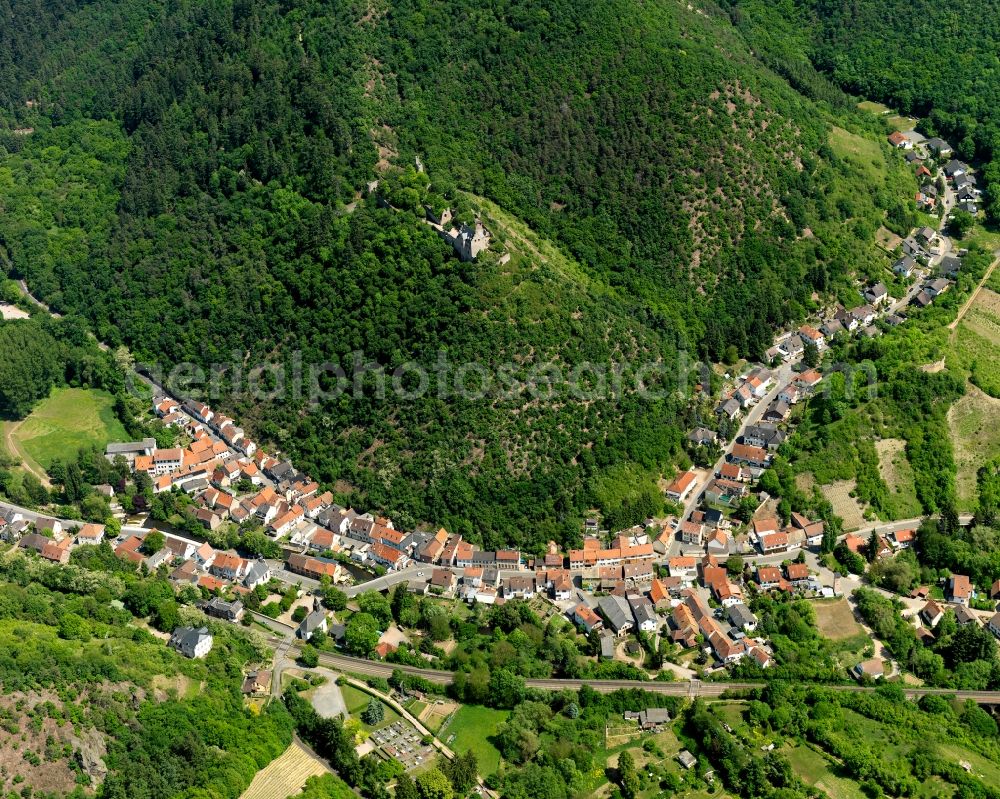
(34, 515)
(781, 377)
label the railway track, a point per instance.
(690, 688)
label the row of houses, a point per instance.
(692, 618)
(196, 563)
(758, 383)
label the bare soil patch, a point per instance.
(886, 239)
(8, 311)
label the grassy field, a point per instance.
(816, 770)
(471, 728)
(975, 351)
(873, 108)
(435, 715)
(285, 775)
(975, 436)
(896, 121)
(898, 475)
(357, 700)
(835, 620)
(866, 153)
(70, 419)
(981, 767)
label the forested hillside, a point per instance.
(189, 177)
(928, 59)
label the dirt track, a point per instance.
(14, 448)
(972, 298)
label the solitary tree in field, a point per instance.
(374, 713)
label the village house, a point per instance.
(873, 669)
(768, 577)
(718, 542)
(791, 347)
(790, 395)
(682, 486)
(638, 572)
(650, 719)
(702, 437)
(877, 295)
(752, 456)
(259, 573)
(388, 556)
(905, 266)
(797, 574)
(585, 617)
(684, 567)
(931, 613)
(808, 379)
(130, 450)
(725, 492)
(314, 568)
(690, 533)
(813, 533)
(46, 547)
(519, 586)
(659, 594)
(733, 471)
(644, 614)
(903, 539)
(257, 683)
(964, 616)
(778, 411)
(288, 520)
(882, 547)
(937, 287)
(899, 141)
(741, 617)
(959, 589)
(685, 627)
(228, 566)
(561, 585)
(773, 542)
(443, 581)
(90, 534)
(811, 335)
(766, 436)
(939, 147)
(616, 613)
(846, 319)
(831, 327)
(865, 315)
(191, 642)
(221, 609)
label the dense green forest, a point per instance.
(189, 179)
